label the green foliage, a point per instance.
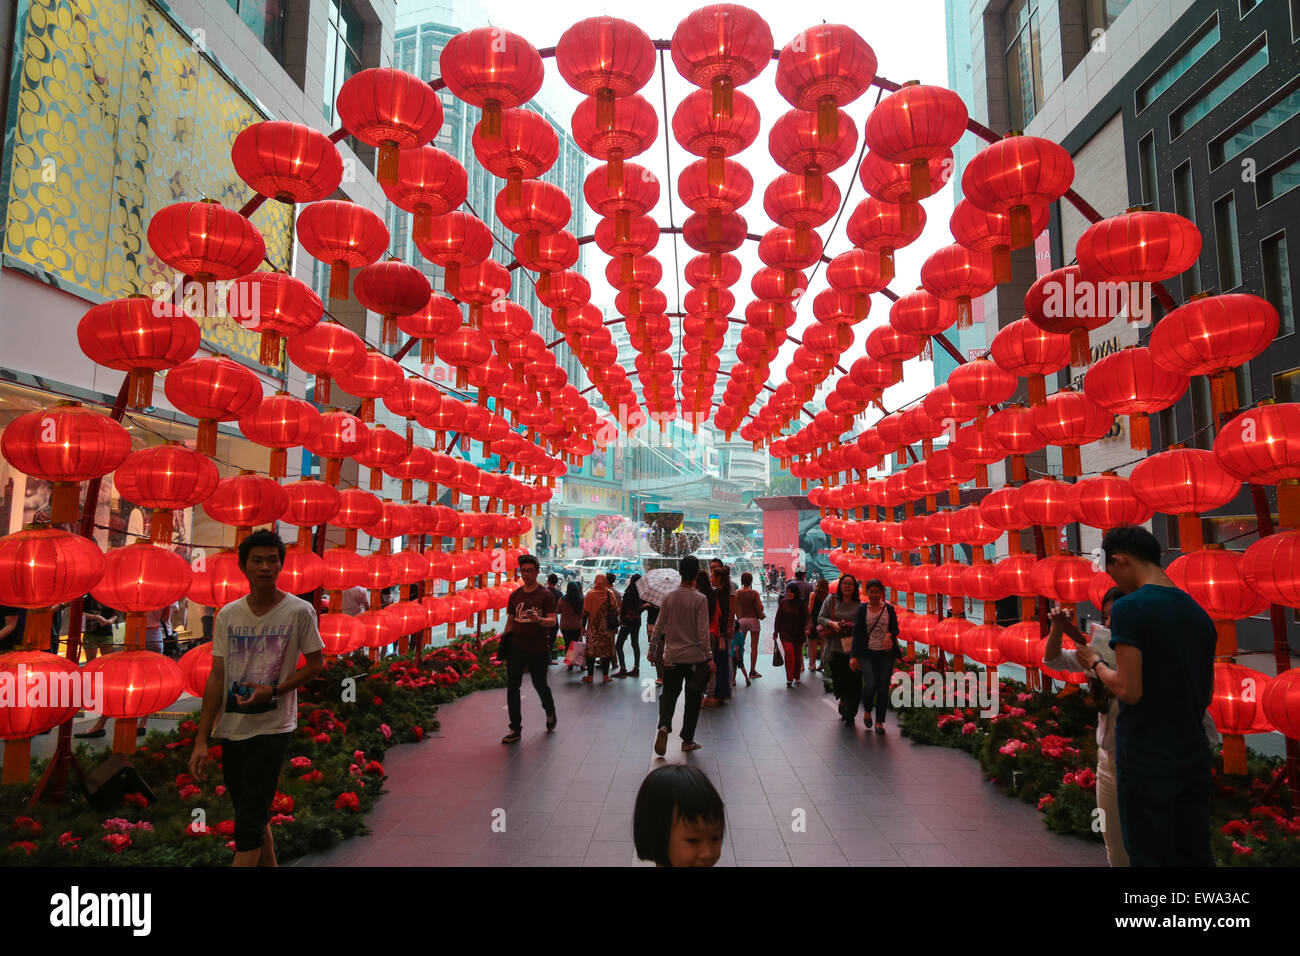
(333, 771)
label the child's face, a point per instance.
(694, 843)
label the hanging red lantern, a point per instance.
(310, 503)
(430, 183)
(634, 128)
(378, 375)
(982, 231)
(392, 289)
(940, 404)
(1271, 566)
(854, 273)
(981, 383)
(1047, 503)
(463, 349)
(243, 502)
(780, 248)
(357, 509)
(166, 478)
(1281, 702)
(341, 436)
(956, 273)
(1024, 349)
(1130, 382)
(1185, 482)
(139, 578)
(217, 580)
(1213, 577)
(1069, 420)
(140, 336)
(1063, 301)
(275, 305)
(384, 447)
(341, 634)
(1015, 429)
(1138, 246)
(455, 240)
(288, 162)
(1016, 175)
(325, 350)
(491, 68)
(65, 445)
(1019, 644)
(978, 449)
(1212, 335)
(914, 125)
(720, 47)
(303, 571)
(1107, 501)
(136, 684)
(1262, 446)
(877, 227)
(343, 235)
(413, 398)
(794, 144)
(44, 567)
(605, 58)
(825, 67)
(389, 109)
(715, 200)
(205, 241)
(922, 314)
(636, 195)
(887, 344)
(440, 316)
(1063, 578)
(212, 388)
(1237, 708)
(526, 149)
(344, 569)
(789, 202)
(279, 423)
(542, 208)
(701, 131)
(894, 183)
(31, 709)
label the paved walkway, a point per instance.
(780, 757)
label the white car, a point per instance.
(586, 569)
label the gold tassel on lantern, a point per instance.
(269, 352)
(965, 317)
(1139, 431)
(339, 281)
(604, 109)
(1080, 348)
(614, 169)
(920, 178)
(723, 97)
(828, 121)
(491, 123)
(386, 168)
(714, 167)
(1022, 226)
(1288, 503)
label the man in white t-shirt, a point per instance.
(250, 701)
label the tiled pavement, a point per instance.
(800, 788)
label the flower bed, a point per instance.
(347, 719)
(1042, 748)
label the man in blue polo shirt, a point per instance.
(1163, 676)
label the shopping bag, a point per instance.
(777, 659)
(577, 654)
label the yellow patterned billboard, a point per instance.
(117, 113)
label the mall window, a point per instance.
(1219, 89)
(1279, 180)
(1024, 65)
(266, 19)
(1281, 109)
(1226, 244)
(1100, 14)
(1147, 162)
(1200, 43)
(343, 37)
(1277, 280)
(1185, 206)
(1247, 6)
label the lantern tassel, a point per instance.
(887, 265)
(451, 278)
(1071, 461)
(614, 170)
(1139, 431)
(269, 352)
(1190, 538)
(1080, 348)
(133, 637)
(981, 476)
(277, 468)
(909, 216)
(386, 168)
(1288, 503)
(389, 331)
(921, 183)
(604, 109)
(965, 317)
(323, 387)
(491, 123)
(367, 410)
(1037, 391)
(141, 387)
(1018, 472)
(420, 228)
(723, 90)
(627, 268)
(812, 183)
(1001, 264)
(1223, 392)
(18, 761)
(1234, 754)
(160, 525)
(715, 265)
(715, 167)
(332, 468)
(713, 225)
(339, 281)
(1022, 227)
(828, 121)
(514, 188)
(64, 501)
(1226, 645)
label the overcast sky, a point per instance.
(909, 41)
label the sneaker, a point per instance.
(512, 738)
(789, 683)
(634, 672)
(689, 745)
(618, 675)
(798, 682)
(661, 741)
(880, 728)
(550, 722)
(867, 721)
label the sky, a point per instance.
(909, 42)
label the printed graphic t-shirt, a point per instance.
(259, 650)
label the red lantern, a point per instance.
(981, 383)
(720, 47)
(392, 289)
(1211, 335)
(196, 665)
(894, 183)
(455, 240)
(429, 183)
(491, 68)
(878, 227)
(982, 231)
(1271, 567)
(288, 162)
(244, 502)
(340, 633)
(1047, 502)
(704, 133)
(44, 567)
(1063, 578)
(212, 389)
(139, 336)
(310, 503)
(1016, 175)
(384, 447)
(136, 684)
(1262, 446)
(276, 305)
(389, 109)
(166, 478)
(1019, 644)
(542, 208)
(1024, 349)
(958, 274)
(217, 580)
(1107, 501)
(439, 317)
(715, 201)
(526, 149)
(66, 445)
(413, 398)
(279, 423)
(1237, 707)
(788, 201)
(344, 235)
(915, 125)
(794, 144)
(1213, 577)
(327, 349)
(854, 273)
(463, 349)
(139, 578)
(984, 644)
(633, 130)
(1130, 383)
(1138, 246)
(1071, 419)
(205, 240)
(31, 709)
(922, 314)
(1014, 428)
(303, 571)
(377, 376)
(1184, 482)
(825, 67)
(1281, 702)
(606, 58)
(1063, 301)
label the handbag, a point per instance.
(611, 615)
(777, 659)
(576, 655)
(503, 647)
(654, 652)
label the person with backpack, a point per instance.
(875, 648)
(837, 617)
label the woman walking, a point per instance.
(790, 627)
(815, 652)
(722, 623)
(875, 647)
(601, 605)
(630, 626)
(570, 615)
(837, 617)
(749, 618)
